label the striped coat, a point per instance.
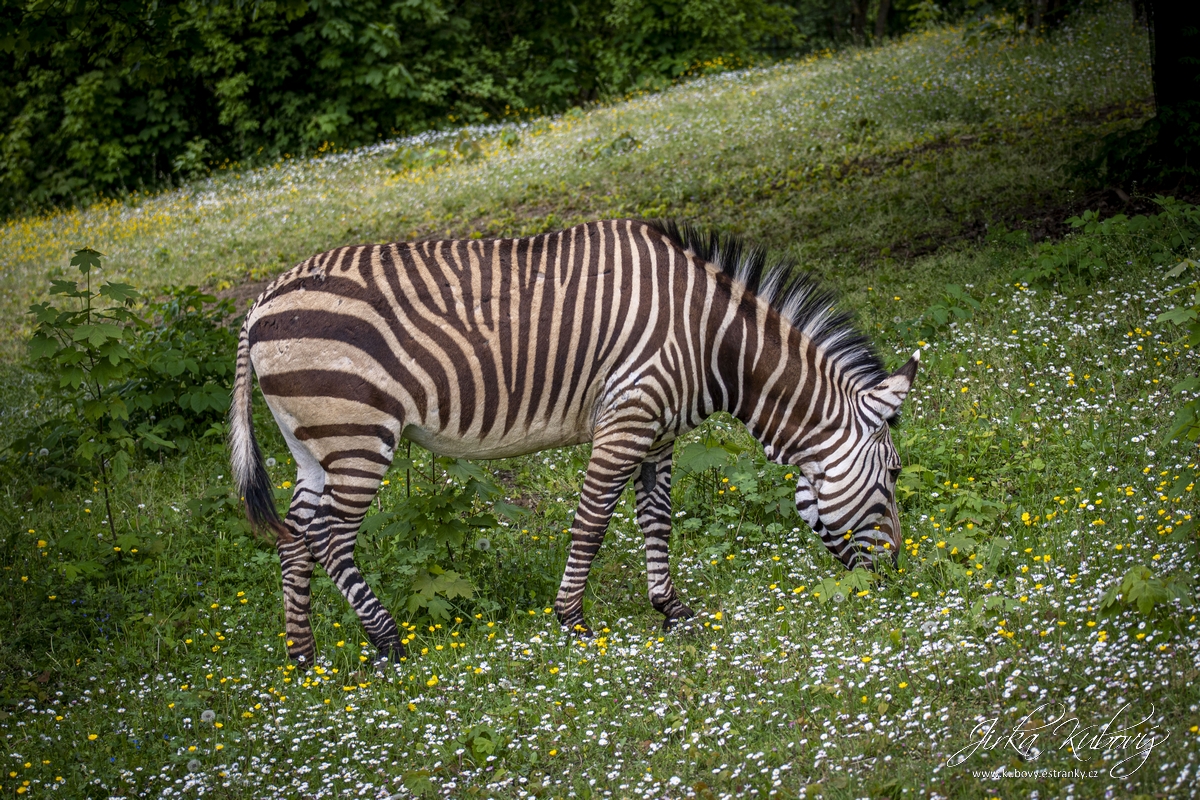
(625, 333)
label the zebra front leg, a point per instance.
(331, 537)
(652, 485)
(614, 459)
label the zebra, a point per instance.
(624, 333)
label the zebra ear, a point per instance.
(883, 400)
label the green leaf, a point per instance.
(86, 259)
(1187, 385)
(98, 333)
(698, 456)
(148, 435)
(120, 292)
(42, 346)
(67, 288)
(1178, 316)
(509, 511)
(452, 585)
(462, 469)
(1181, 267)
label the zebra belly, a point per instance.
(531, 440)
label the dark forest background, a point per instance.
(102, 97)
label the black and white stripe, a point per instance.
(623, 333)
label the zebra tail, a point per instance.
(249, 469)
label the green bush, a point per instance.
(1187, 317)
(1097, 247)
(957, 305)
(1145, 591)
(122, 387)
(426, 550)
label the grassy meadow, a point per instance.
(1037, 477)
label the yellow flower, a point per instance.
(93, 737)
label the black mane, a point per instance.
(795, 294)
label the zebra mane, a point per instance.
(795, 294)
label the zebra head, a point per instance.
(847, 492)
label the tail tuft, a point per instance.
(249, 468)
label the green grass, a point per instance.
(1045, 407)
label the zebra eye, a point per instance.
(894, 472)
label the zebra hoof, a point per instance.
(575, 624)
(579, 628)
(679, 620)
(390, 654)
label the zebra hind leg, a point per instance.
(295, 559)
(652, 485)
(351, 484)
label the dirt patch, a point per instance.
(1050, 221)
(1044, 221)
(244, 293)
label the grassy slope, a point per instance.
(1045, 402)
(890, 148)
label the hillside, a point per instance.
(845, 159)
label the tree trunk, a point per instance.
(1175, 68)
(881, 17)
(858, 19)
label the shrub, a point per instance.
(429, 544)
(122, 386)
(1098, 247)
(1143, 590)
(1187, 317)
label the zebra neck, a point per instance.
(767, 376)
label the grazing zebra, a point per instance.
(623, 333)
